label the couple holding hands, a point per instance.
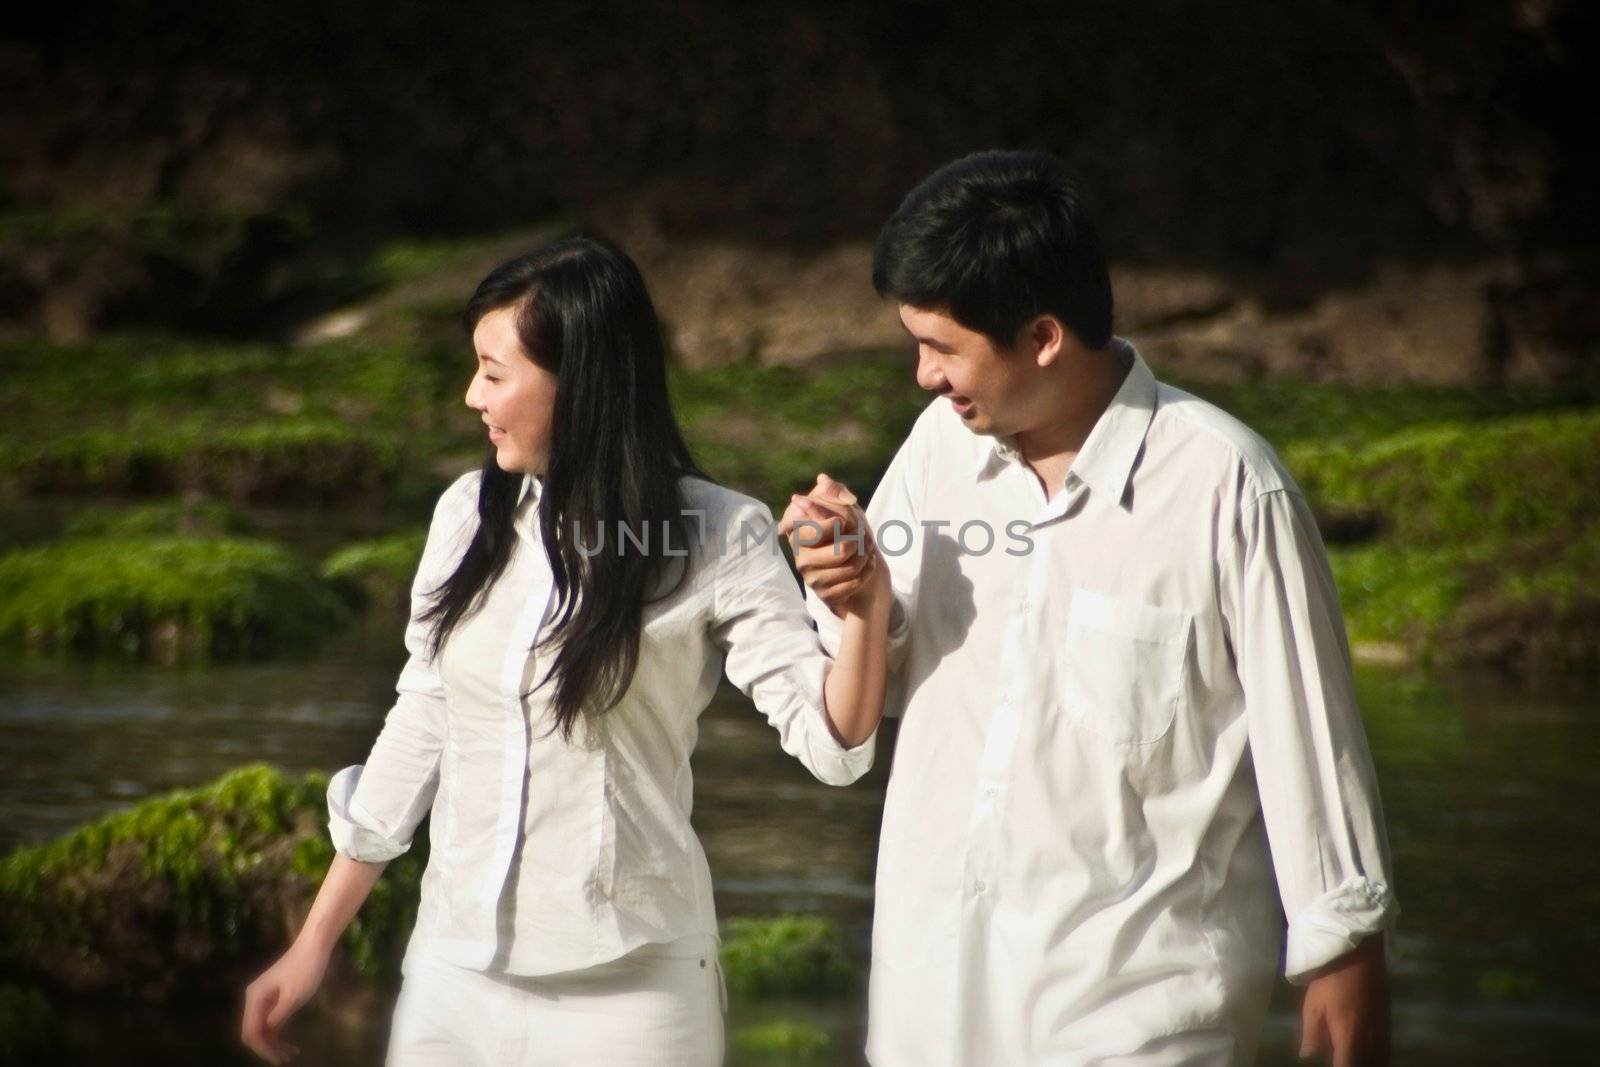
(1131, 785)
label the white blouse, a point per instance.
(1112, 702)
(549, 855)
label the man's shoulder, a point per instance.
(1211, 436)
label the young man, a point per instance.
(1122, 673)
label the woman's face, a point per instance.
(514, 395)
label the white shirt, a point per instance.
(1100, 734)
(549, 855)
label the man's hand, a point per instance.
(1346, 1011)
(833, 547)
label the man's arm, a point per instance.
(1319, 794)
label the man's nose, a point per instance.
(929, 376)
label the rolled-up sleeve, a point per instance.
(1319, 792)
(772, 653)
(374, 808)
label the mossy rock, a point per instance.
(379, 571)
(166, 599)
(779, 1042)
(1526, 605)
(189, 894)
(1461, 483)
(30, 1031)
(787, 956)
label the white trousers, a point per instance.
(660, 1005)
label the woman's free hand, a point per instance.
(277, 994)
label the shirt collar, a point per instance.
(532, 486)
(525, 515)
(1105, 462)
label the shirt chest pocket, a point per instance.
(1121, 674)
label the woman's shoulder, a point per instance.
(719, 503)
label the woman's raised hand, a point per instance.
(277, 994)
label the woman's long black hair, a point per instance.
(616, 456)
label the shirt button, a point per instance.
(991, 792)
(980, 887)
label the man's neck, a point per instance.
(1050, 449)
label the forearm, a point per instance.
(854, 690)
(343, 891)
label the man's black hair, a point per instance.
(995, 240)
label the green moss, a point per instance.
(1462, 482)
(1286, 411)
(769, 430)
(30, 1030)
(781, 1041)
(164, 598)
(1520, 603)
(186, 893)
(243, 422)
(186, 518)
(379, 570)
(789, 955)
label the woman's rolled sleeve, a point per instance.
(374, 808)
(773, 654)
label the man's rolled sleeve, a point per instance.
(1319, 792)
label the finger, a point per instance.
(280, 1012)
(814, 562)
(1313, 1039)
(827, 585)
(253, 1028)
(834, 490)
(1342, 1039)
(809, 557)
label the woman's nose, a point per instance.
(472, 395)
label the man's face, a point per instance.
(992, 389)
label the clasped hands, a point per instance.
(834, 549)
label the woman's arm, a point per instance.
(284, 987)
(858, 588)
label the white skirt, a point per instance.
(660, 1005)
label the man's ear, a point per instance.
(1046, 338)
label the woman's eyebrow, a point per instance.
(489, 359)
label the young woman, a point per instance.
(576, 603)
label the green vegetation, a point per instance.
(377, 571)
(167, 599)
(204, 518)
(186, 893)
(143, 415)
(780, 1041)
(769, 430)
(1455, 482)
(1456, 515)
(1482, 539)
(787, 956)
